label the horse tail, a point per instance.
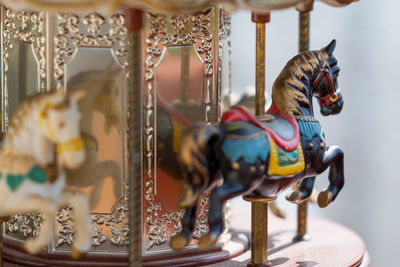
(194, 154)
(195, 147)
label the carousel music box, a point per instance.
(156, 182)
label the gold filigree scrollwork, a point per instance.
(92, 30)
(117, 222)
(70, 37)
(28, 224)
(195, 30)
(27, 27)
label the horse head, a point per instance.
(325, 84)
(59, 120)
(312, 73)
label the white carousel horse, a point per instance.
(44, 136)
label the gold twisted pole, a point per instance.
(260, 21)
(134, 25)
(304, 45)
(259, 205)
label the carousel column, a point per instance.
(134, 22)
(1, 241)
(2, 221)
(259, 205)
(304, 45)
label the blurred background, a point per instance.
(368, 45)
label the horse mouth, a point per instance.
(332, 109)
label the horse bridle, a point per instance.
(333, 96)
(74, 144)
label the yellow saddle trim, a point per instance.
(276, 169)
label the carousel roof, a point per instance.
(168, 6)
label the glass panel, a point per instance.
(179, 80)
(97, 71)
(22, 75)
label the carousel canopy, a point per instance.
(168, 6)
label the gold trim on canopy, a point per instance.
(166, 6)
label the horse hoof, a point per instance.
(77, 254)
(178, 242)
(324, 198)
(207, 240)
(295, 196)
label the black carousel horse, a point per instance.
(265, 156)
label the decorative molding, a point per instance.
(27, 27)
(94, 30)
(98, 31)
(164, 31)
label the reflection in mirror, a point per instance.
(96, 71)
(179, 80)
(22, 75)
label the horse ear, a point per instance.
(77, 95)
(330, 47)
(58, 96)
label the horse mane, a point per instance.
(25, 108)
(289, 90)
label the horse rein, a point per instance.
(334, 96)
(74, 144)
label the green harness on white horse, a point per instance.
(36, 174)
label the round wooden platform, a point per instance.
(235, 244)
(331, 245)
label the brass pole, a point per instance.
(260, 20)
(304, 31)
(134, 25)
(259, 205)
(185, 69)
(304, 45)
(259, 231)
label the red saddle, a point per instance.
(237, 113)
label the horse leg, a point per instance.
(112, 169)
(215, 219)
(80, 209)
(29, 204)
(333, 157)
(303, 190)
(188, 221)
(95, 193)
(102, 170)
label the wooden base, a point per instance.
(331, 245)
(238, 244)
